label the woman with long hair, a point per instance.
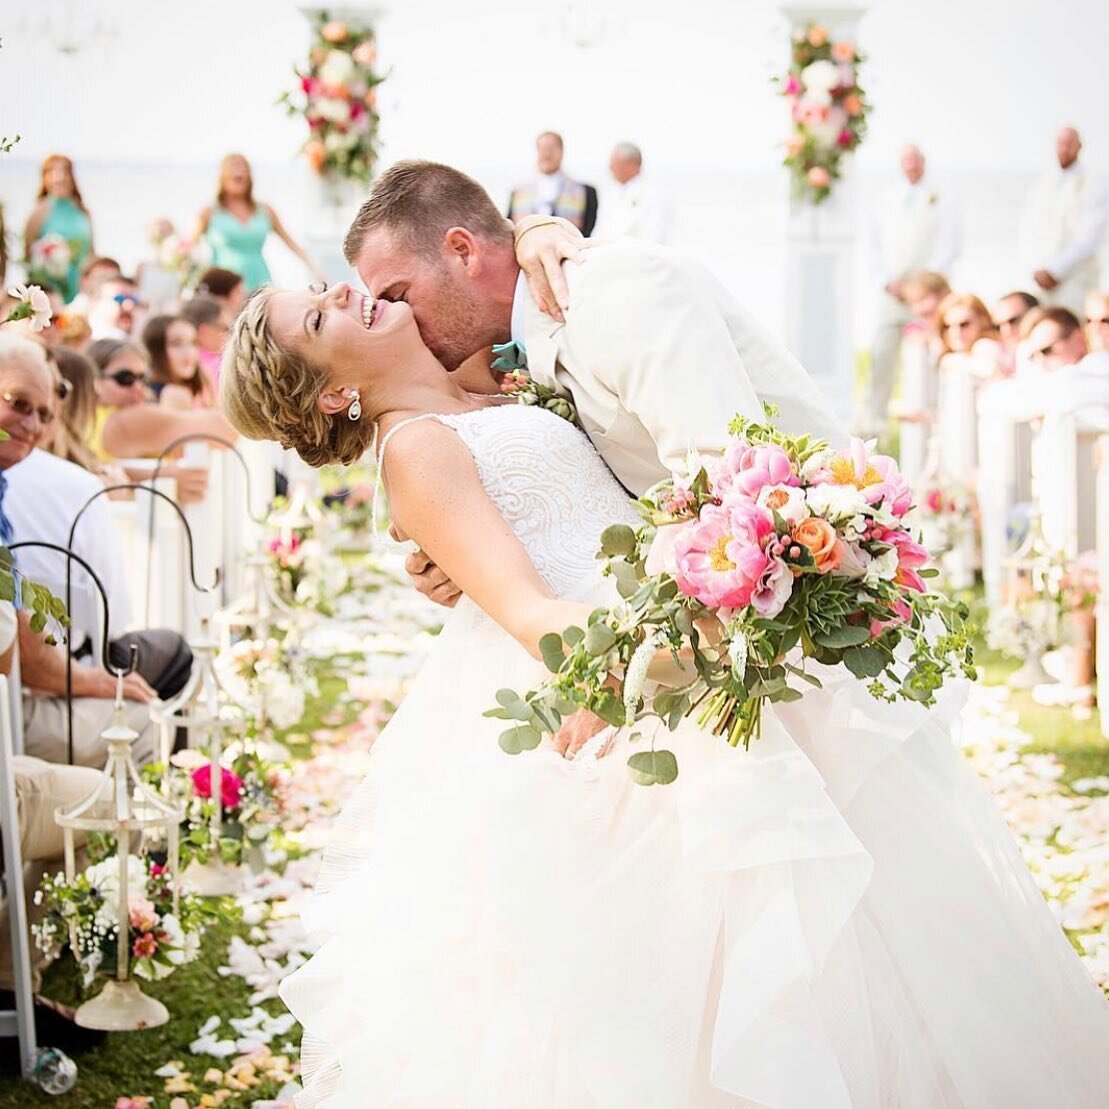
(178, 378)
(237, 226)
(60, 216)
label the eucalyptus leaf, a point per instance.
(520, 738)
(865, 662)
(599, 639)
(550, 647)
(846, 635)
(653, 768)
(573, 635)
(618, 540)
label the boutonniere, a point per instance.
(932, 198)
(517, 384)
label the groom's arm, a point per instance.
(652, 331)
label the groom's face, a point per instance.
(448, 311)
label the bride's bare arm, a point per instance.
(437, 499)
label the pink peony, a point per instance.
(720, 557)
(818, 177)
(792, 86)
(809, 113)
(773, 588)
(144, 946)
(231, 785)
(902, 614)
(756, 467)
(844, 138)
(876, 476)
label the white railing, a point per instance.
(1102, 611)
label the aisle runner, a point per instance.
(377, 647)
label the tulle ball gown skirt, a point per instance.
(836, 918)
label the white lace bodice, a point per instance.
(549, 483)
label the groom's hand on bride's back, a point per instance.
(426, 576)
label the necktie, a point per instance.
(7, 532)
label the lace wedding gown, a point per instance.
(838, 917)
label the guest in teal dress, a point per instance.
(237, 226)
(59, 216)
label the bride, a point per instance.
(837, 918)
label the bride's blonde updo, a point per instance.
(268, 392)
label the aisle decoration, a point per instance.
(337, 97)
(749, 566)
(186, 259)
(828, 109)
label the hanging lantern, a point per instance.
(124, 808)
(251, 614)
(196, 708)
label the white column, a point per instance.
(821, 250)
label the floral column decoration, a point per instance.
(828, 109)
(336, 94)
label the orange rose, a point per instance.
(316, 154)
(333, 31)
(365, 53)
(371, 99)
(817, 35)
(852, 105)
(822, 542)
(843, 51)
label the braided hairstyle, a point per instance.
(267, 392)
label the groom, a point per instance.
(654, 352)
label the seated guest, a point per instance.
(227, 287)
(68, 437)
(966, 328)
(1078, 380)
(177, 377)
(128, 427)
(40, 788)
(206, 314)
(28, 400)
(551, 192)
(1008, 315)
(113, 310)
(1097, 321)
(96, 270)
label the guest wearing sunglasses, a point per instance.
(1077, 379)
(1008, 315)
(114, 309)
(1097, 321)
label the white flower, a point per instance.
(820, 77)
(816, 462)
(882, 567)
(332, 109)
(854, 562)
(835, 502)
(338, 68)
(787, 500)
(635, 677)
(34, 305)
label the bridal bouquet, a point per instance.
(747, 567)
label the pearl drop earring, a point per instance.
(354, 411)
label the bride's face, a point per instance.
(338, 329)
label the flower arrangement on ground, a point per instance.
(750, 565)
(82, 915)
(304, 575)
(827, 107)
(337, 96)
(946, 512)
(268, 680)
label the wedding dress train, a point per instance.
(837, 918)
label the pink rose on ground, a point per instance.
(773, 588)
(818, 177)
(843, 51)
(132, 1103)
(144, 946)
(142, 914)
(720, 558)
(902, 614)
(231, 785)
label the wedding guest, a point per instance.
(208, 316)
(114, 308)
(967, 328)
(631, 205)
(1078, 378)
(177, 378)
(96, 270)
(69, 437)
(551, 192)
(129, 427)
(915, 227)
(159, 284)
(1097, 321)
(226, 286)
(60, 212)
(237, 226)
(1062, 228)
(27, 405)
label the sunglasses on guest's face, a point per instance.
(126, 298)
(1045, 352)
(23, 407)
(958, 325)
(1013, 321)
(63, 388)
(1098, 321)
(126, 378)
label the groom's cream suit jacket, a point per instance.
(658, 358)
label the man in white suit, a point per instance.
(1062, 228)
(914, 228)
(654, 352)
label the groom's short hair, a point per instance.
(418, 202)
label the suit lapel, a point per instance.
(542, 350)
